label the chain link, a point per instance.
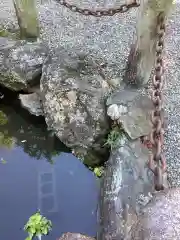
(99, 13)
(157, 162)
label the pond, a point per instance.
(38, 172)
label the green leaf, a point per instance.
(98, 171)
(32, 230)
(28, 238)
(39, 232)
(44, 231)
(38, 219)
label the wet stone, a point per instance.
(75, 236)
(32, 102)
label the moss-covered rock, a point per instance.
(20, 63)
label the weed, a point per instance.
(113, 137)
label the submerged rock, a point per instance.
(32, 102)
(20, 63)
(132, 111)
(75, 236)
(74, 94)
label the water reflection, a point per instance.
(30, 133)
(65, 191)
(5, 139)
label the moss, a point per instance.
(12, 81)
(3, 118)
(5, 139)
(13, 34)
(4, 33)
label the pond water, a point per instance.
(38, 172)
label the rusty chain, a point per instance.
(157, 162)
(99, 13)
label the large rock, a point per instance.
(20, 63)
(126, 188)
(73, 102)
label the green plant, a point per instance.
(6, 140)
(3, 118)
(3, 161)
(98, 171)
(37, 226)
(113, 137)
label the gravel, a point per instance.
(108, 39)
(172, 97)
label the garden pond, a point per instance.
(37, 172)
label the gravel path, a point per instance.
(108, 39)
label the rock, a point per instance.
(32, 102)
(160, 218)
(114, 82)
(20, 63)
(125, 188)
(122, 96)
(73, 101)
(134, 112)
(137, 121)
(113, 112)
(75, 236)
